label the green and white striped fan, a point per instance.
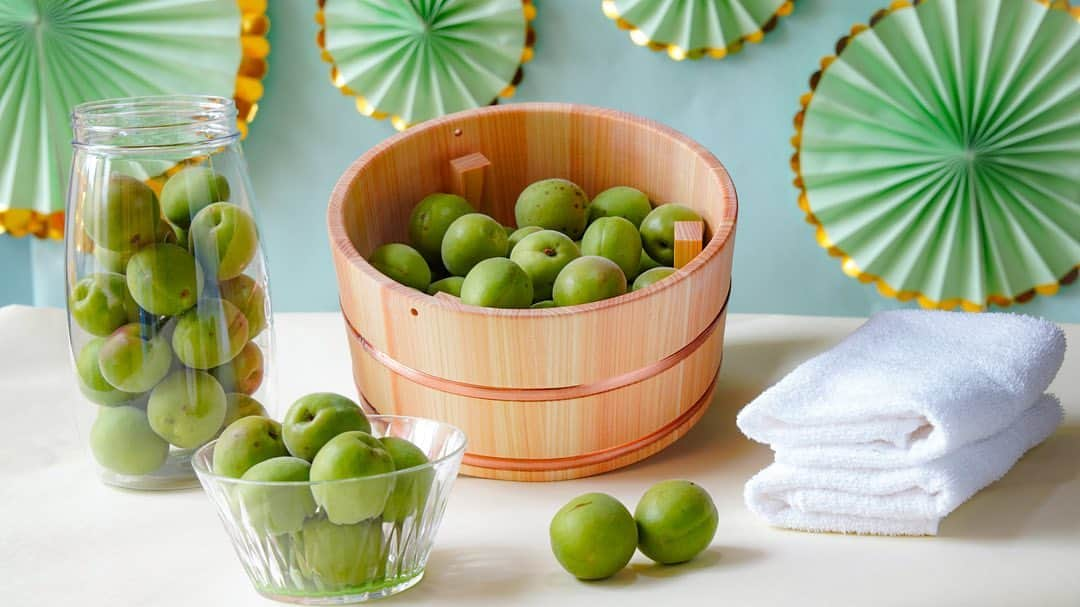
(939, 151)
(57, 54)
(411, 60)
(691, 29)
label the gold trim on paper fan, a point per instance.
(254, 25)
(366, 108)
(847, 264)
(678, 53)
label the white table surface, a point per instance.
(66, 539)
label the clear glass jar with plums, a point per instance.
(168, 301)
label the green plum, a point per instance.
(125, 217)
(249, 296)
(403, 264)
(361, 458)
(210, 334)
(164, 279)
(651, 276)
(517, 235)
(616, 239)
(274, 508)
(239, 405)
(647, 263)
(134, 360)
(658, 231)
(547, 303)
(411, 488)
(450, 284)
(676, 520)
(246, 442)
(543, 255)
(588, 279)
(471, 239)
(620, 201)
(122, 441)
(342, 556)
(429, 221)
(92, 383)
(497, 283)
(101, 304)
(189, 191)
(593, 536)
(553, 204)
(244, 373)
(224, 239)
(187, 408)
(316, 418)
(107, 260)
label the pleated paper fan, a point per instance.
(692, 29)
(55, 55)
(938, 152)
(411, 60)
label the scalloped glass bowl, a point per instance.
(293, 553)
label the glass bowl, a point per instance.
(293, 552)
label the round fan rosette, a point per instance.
(692, 29)
(55, 55)
(938, 152)
(411, 60)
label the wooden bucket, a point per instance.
(542, 394)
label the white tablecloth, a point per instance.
(66, 539)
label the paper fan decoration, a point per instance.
(55, 55)
(411, 60)
(938, 152)
(692, 29)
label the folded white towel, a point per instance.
(904, 501)
(907, 387)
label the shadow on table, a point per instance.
(484, 573)
(1020, 503)
(717, 556)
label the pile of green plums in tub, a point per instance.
(169, 314)
(565, 250)
(325, 437)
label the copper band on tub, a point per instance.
(540, 394)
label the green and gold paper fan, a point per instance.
(692, 29)
(57, 54)
(938, 152)
(411, 60)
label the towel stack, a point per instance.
(903, 421)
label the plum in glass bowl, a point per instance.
(334, 542)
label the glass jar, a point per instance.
(168, 302)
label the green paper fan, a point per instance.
(691, 29)
(55, 55)
(412, 60)
(939, 151)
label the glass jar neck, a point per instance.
(161, 122)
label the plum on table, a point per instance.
(676, 521)
(593, 536)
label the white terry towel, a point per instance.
(904, 501)
(907, 387)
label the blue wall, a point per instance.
(741, 108)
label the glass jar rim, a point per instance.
(95, 123)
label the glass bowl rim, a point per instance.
(203, 472)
